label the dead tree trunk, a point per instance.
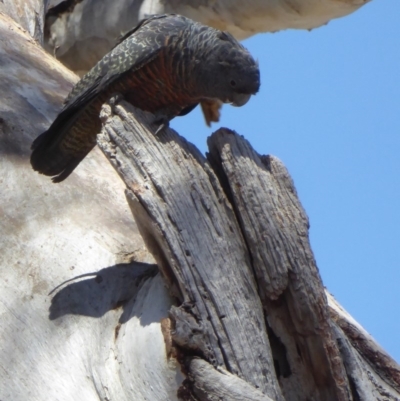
(231, 239)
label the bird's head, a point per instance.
(229, 72)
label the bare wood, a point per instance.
(210, 384)
(275, 227)
(370, 368)
(181, 210)
(365, 380)
(189, 226)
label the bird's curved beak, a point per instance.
(240, 99)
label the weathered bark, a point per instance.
(211, 261)
(275, 228)
(373, 374)
(197, 243)
(209, 384)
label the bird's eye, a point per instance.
(233, 83)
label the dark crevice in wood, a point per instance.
(298, 351)
(214, 158)
(185, 391)
(353, 389)
(66, 6)
(281, 363)
(387, 369)
(116, 331)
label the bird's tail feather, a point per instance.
(48, 156)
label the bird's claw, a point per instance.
(115, 99)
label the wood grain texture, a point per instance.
(363, 357)
(189, 226)
(210, 384)
(275, 228)
(367, 382)
(231, 239)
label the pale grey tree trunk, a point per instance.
(95, 338)
(29, 14)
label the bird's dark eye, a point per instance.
(233, 82)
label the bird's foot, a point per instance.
(115, 98)
(108, 108)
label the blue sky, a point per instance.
(329, 108)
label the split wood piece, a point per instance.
(275, 228)
(190, 227)
(209, 384)
(304, 326)
(370, 368)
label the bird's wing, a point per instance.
(138, 26)
(137, 47)
(141, 45)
